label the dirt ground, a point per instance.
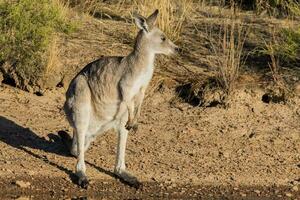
(250, 150)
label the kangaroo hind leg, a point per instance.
(120, 168)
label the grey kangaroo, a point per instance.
(108, 93)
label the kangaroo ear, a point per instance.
(141, 22)
(152, 18)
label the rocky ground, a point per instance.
(250, 150)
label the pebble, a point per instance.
(295, 188)
(30, 173)
(154, 179)
(226, 154)
(288, 194)
(257, 192)
(22, 184)
(23, 198)
(243, 194)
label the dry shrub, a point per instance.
(85, 6)
(279, 91)
(278, 7)
(52, 56)
(227, 49)
(202, 90)
(172, 14)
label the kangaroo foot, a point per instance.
(82, 181)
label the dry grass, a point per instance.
(172, 14)
(227, 49)
(280, 90)
(171, 17)
(288, 8)
(84, 6)
(52, 57)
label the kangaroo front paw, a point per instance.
(131, 126)
(129, 179)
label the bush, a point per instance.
(290, 48)
(27, 28)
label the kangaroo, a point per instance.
(108, 93)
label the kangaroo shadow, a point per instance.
(21, 138)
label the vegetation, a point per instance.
(28, 37)
(27, 28)
(228, 50)
(290, 45)
(282, 8)
(172, 14)
(278, 7)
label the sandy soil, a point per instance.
(251, 144)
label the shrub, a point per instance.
(228, 53)
(290, 48)
(26, 31)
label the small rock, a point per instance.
(22, 198)
(30, 173)
(154, 179)
(226, 154)
(257, 192)
(295, 188)
(22, 184)
(288, 194)
(243, 194)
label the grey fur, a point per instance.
(108, 93)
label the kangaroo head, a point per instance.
(152, 37)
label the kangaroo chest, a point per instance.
(142, 80)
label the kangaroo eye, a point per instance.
(163, 38)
